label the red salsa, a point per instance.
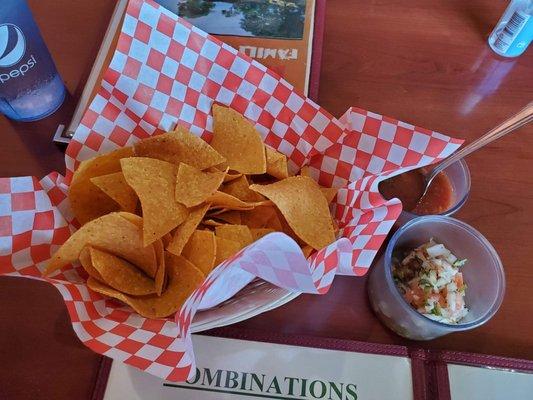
(408, 187)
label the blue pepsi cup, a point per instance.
(30, 87)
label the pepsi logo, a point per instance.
(12, 45)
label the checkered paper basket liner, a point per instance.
(166, 72)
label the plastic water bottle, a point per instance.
(30, 87)
(514, 30)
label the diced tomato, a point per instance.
(415, 296)
(409, 296)
(458, 279)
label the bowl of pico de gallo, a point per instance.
(438, 275)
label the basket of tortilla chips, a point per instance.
(194, 171)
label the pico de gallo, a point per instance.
(430, 279)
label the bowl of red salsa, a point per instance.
(446, 195)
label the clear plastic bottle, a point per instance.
(30, 86)
(514, 31)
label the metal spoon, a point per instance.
(519, 119)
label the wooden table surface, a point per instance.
(428, 65)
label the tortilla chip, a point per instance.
(159, 245)
(231, 217)
(87, 264)
(120, 274)
(116, 187)
(223, 200)
(185, 230)
(231, 175)
(307, 250)
(304, 207)
(211, 222)
(86, 200)
(172, 259)
(112, 233)
(183, 279)
(213, 212)
(305, 171)
(286, 228)
(194, 186)
(219, 167)
(329, 193)
(276, 163)
(167, 238)
(225, 249)
(237, 233)
(237, 139)
(335, 227)
(160, 274)
(201, 250)
(240, 188)
(262, 217)
(258, 233)
(179, 146)
(154, 181)
(133, 218)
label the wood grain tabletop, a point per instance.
(426, 63)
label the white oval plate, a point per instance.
(256, 298)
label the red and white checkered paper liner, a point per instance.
(166, 72)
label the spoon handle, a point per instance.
(519, 119)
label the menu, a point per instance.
(277, 33)
(476, 383)
(238, 369)
(285, 36)
(288, 367)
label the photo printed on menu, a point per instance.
(283, 19)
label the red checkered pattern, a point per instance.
(166, 72)
(328, 262)
(373, 147)
(31, 227)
